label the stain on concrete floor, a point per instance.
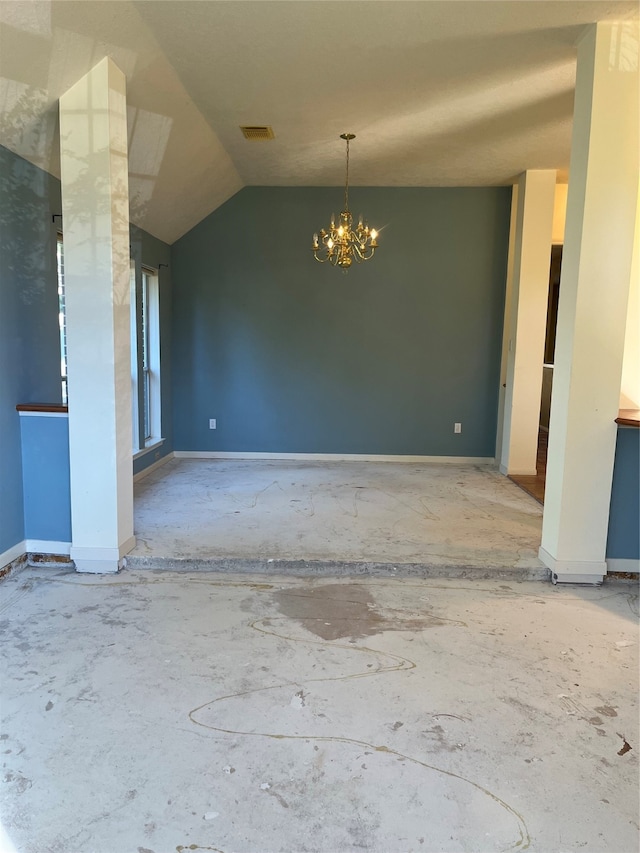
(337, 611)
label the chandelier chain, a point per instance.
(346, 182)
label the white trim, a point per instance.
(332, 457)
(576, 577)
(80, 552)
(44, 414)
(133, 329)
(101, 560)
(83, 552)
(573, 571)
(154, 443)
(620, 564)
(13, 553)
(96, 567)
(157, 464)
(46, 546)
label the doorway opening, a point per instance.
(534, 484)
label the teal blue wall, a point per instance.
(29, 342)
(45, 471)
(623, 542)
(293, 356)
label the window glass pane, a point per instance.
(62, 318)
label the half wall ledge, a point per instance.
(50, 408)
(629, 417)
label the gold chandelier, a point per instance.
(342, 245)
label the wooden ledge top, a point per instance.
(42, 407)
(629, 417)
(626, 417)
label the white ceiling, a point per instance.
(447, 93)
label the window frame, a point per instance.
(145, 367)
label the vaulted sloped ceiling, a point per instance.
(439, 93)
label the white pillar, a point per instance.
(527, 325)
(95, 212)
(594, 293)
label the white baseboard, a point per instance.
(46, 546)
(577, 577)
(98, 561)
(332, 457)
(622, 565)
(158, 464)
(11, 554)
(573, 571)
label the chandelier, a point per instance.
(341, 245)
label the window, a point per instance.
(145, 358)
(146, 370)
(62, 318)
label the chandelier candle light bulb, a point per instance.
(342, 246)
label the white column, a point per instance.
(594, 293)
(95, 215)
(527, 325)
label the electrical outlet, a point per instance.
(212, 423)
(457, 427)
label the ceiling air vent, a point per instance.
(257, 133)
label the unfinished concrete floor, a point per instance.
(154, 712)
(427, 517)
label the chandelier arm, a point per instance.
(356, 243)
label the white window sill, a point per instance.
(152, 444)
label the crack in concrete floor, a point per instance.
(370, 625)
